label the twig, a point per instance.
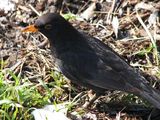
(34, 10)
(146, 29)
(150, 36)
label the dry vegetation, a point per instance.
(29, 79)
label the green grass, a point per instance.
(19, 96)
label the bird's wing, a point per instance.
(90, 70)
(127, 76)
(95, 64)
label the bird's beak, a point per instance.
(30, 28)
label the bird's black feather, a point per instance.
(87, 61)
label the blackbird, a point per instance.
(89, 62)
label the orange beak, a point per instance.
(30, 28)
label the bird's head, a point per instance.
(49, 24)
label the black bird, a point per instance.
(87, 61)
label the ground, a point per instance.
(29, 78)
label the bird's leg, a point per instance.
(91, 100)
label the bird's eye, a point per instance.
(48, 26)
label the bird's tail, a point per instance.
(152, 96)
